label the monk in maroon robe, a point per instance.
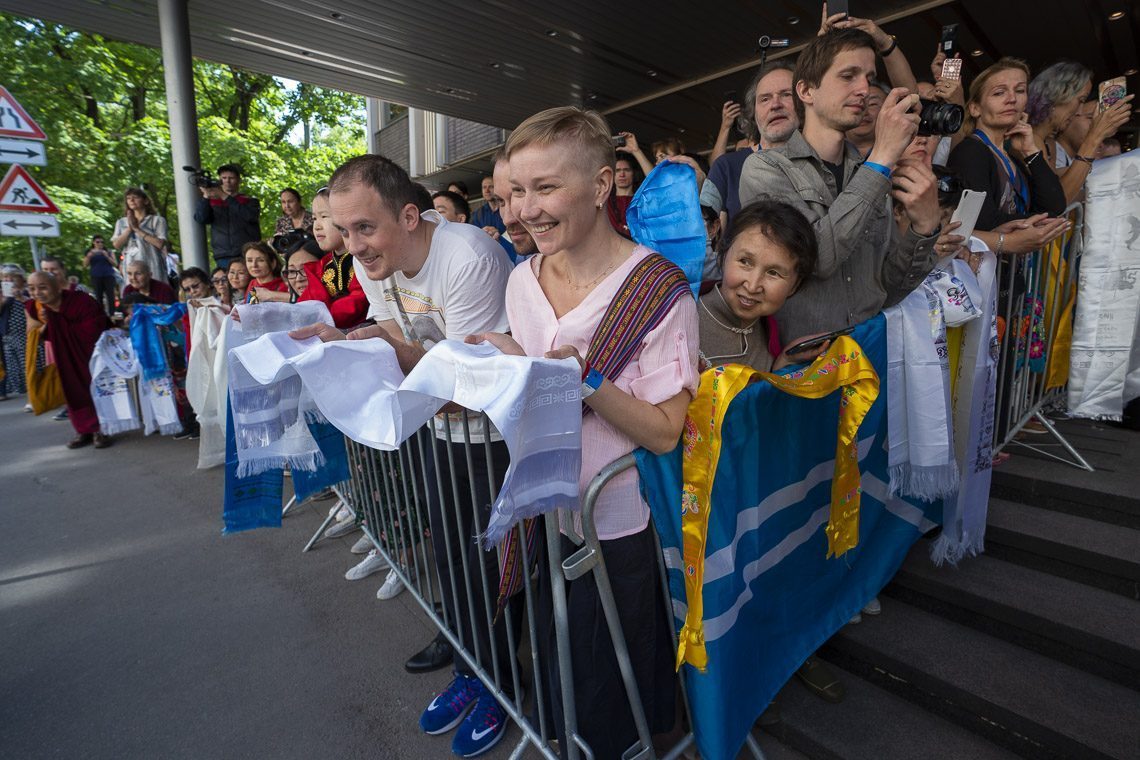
(73, 323)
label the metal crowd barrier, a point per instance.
(390, 492)
(1035, 292)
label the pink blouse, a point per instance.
(665, 365)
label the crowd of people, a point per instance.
(834, 207)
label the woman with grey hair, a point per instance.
(1056, 95)
(13, 328)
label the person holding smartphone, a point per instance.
(864, 262)
(102, 264)
(1025, 202)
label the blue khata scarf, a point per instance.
(335, 469)
(146, 338)
(252, 502)
(665, 215)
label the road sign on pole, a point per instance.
(14, 120)
(26, 152)
(28, 225)
(19, 192)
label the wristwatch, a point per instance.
(591, 381)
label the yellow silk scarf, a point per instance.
(843, 367)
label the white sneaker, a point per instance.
(855, 619)
(874, 607)
(363, 545)
(344, 512)
(392, 587)
(373, 563)
(343, 528)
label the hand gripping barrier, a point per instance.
(423, 506)
(1036, 295)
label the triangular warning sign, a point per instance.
(19, 192)
(14, 120)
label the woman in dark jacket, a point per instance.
(1024, 203)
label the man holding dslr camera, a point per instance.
(864, 263)
(234, 219)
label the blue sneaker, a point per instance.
(449, 708)
(483, 728)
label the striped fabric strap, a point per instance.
(642, 301)
(649, 292)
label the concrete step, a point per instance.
(1077, 548)
(1088, 628)
(1109, 494)
(872, 724)
(1019, 699)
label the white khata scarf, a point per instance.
(269, 420)
(964, 512)
(1104, 371)
(159, 407)
(113, 365)
(207, 323)
(359, 388)
(921, 454)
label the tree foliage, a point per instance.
(103, 106)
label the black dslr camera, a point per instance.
(288, 242)
(939, 119)
(202, 177)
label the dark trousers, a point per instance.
(605, 719)
(459, 504)
(106, 289)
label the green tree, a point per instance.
(102, 104)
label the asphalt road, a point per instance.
(130, 627)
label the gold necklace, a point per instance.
(593, 282)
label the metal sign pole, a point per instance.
(35, 253)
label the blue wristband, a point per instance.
(594, 379)
(878, 168)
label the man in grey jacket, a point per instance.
(865, 263)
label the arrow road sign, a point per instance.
(23, 152)
(28, 225)
(19, 192)
(14, 120)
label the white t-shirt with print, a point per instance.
(459, 291)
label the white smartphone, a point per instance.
(967, 212)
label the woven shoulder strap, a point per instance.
(650, 290)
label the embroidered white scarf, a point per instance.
(359, 388)
(269, 427)
(964, 512)
(919, 428)
(113, 365)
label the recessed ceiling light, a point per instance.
(793, 20)
(1116, 16)
(495, 65)
(651, 73)
(1130, 72)
(551, 32)
(978, 53)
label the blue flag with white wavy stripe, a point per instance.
(771, 596)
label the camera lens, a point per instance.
(939, 118)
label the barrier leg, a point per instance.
(574, 743)
(1076, 461)
(340, 502)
